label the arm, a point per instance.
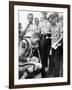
(24, 32)
(23, 59)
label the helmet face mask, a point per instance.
(23, 44)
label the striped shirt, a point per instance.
(56, 32)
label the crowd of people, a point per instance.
(41, 47)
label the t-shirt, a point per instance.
(36, 28)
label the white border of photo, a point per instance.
(40, 80)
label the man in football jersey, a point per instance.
(29, 63)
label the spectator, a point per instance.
(57, 36)
(30, 29)
(45, 43)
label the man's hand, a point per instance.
(28, 25)
(56, 45)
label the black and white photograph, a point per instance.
(40, 44)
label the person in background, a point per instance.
(36, 22)
(57, 36)
(30, 29)
(45, 42)
(60, 22)
(29, 63)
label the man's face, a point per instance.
(36, 21)
(30, 18)
(54, 20)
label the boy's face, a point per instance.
(36, 21)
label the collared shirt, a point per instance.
(30, 31)
(56, 32)
(36, 28)
(44, 27)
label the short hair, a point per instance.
(30, 14)
(36, 18)
(52, 16)
(23, 43)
